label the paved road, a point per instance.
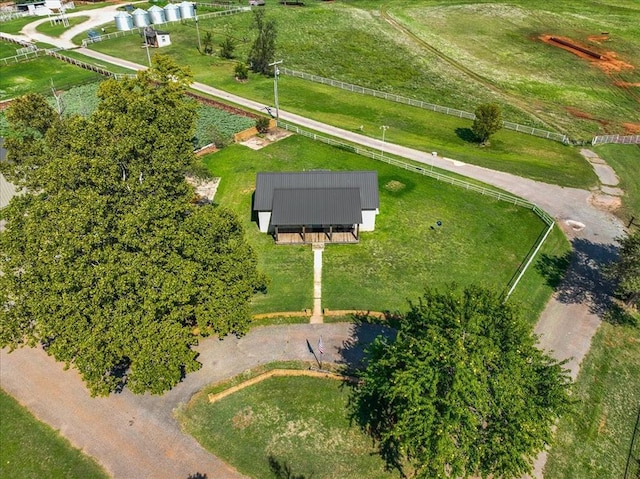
(136, 436)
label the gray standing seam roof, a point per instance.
(316, 206)
(365, 181)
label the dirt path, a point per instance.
(137, 436)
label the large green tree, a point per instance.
(626, 269)
(462, 391)
(487, 122)
(263, 49)
(107, 260)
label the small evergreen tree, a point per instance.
(264, 47)
(227, 48)
(241, 71)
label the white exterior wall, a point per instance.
(368, 220)
(7, 191)
(264, 218)
(163, 40)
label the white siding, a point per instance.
(264, 218)
(7, 191)
(368, 220)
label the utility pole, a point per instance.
(384, 130)
(276, 72)
(195, 11)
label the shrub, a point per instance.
(241, 71)
(262, 124)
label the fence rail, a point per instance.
(89, 66)
(623, 139)
(421, 104)
(498, 195)
(138, 30)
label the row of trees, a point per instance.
(106, 259)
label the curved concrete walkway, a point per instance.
(136, 436)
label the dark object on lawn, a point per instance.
(576, 47)
(93, 36)
(292, 2)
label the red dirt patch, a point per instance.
(632, 128)
(607, 61)
(598, 38)
(579, 114)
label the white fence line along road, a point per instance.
(550, 135)
(621, 139)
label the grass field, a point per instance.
(625, 160)
(482, 241)
(294, 424)
(35, 76)
(458, 54)
(594, 441)
(31, 449)
(58, 29)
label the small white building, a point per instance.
(318, 205)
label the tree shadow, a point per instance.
(465, 134)
(584, 281)
(553, 268)
(282, 469)
(352, 350)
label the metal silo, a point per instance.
(171, 12)
(123, 21)
(140, 17)
(187, 10)
(156, 14)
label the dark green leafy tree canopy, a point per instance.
(487, 122)
(626, 270)
(462, 391)
(107, 260)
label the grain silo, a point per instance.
(156, 14)
(171, 12)
(140, 17)
(187, 10)
(123, 21)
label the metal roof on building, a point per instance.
(365, 181)
(316, 206)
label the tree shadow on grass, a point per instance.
(578, 276)
(282, 469)
(465, 134)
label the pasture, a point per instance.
(458, 54)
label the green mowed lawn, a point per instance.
(299, 424)
(594, 441)
(37, 75)
(56, 29)
(31, 449)
(481, 240)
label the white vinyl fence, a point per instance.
(421, 104)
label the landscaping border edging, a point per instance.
(213, 397)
